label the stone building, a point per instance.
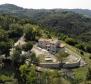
(51, 45)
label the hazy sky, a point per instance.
(48, 4)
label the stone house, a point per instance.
(51, 45)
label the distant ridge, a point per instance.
(16, 9)
(10, 7)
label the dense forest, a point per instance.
(14, 27)
(11, 29)
(70, 23)
(13, 69)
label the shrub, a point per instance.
(70, 41)
(27, 46)
(88, 48)
(80, 46)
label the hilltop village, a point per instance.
(49, 53)
(34, 54)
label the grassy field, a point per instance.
(81, 73)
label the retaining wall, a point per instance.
(60, 65)
(49, 65)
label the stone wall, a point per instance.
(73, 65)
(49, 65)
(59, 65)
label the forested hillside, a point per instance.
(18, 68)
(15, 9)
(61, 21)
(69, 23)
(64, 21)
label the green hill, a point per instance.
(75, 23)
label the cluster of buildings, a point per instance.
(51, 45)
(48, 47)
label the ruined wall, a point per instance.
(59, 65)
(49, 65)
(73, 65)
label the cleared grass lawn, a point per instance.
(86, 56)
(81, 73)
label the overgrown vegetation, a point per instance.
(23, 70)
